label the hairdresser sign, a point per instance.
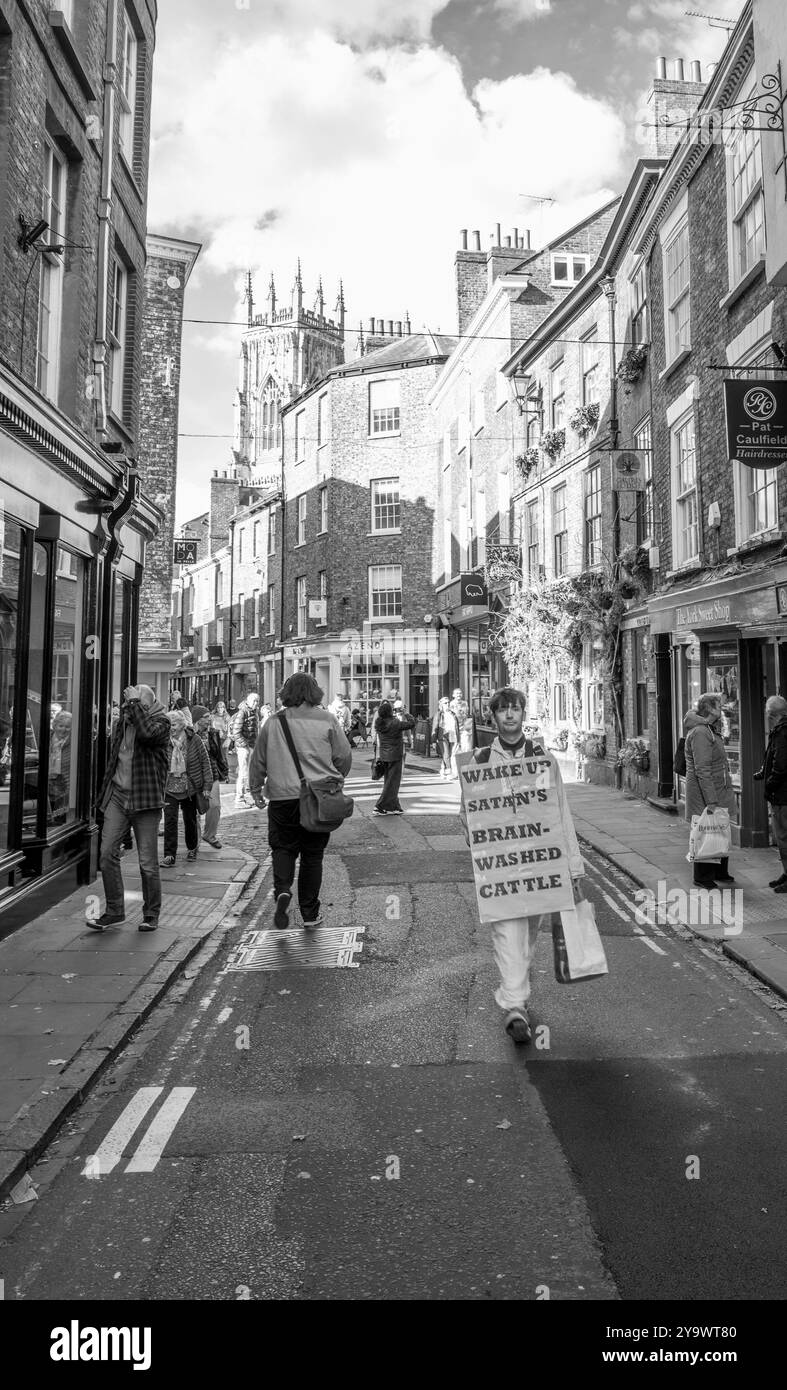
(519, 847)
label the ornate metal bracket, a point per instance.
(767, 102)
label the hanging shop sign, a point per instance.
(185, 553)
(756, 422)
(628, 470)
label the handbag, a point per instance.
(323, 804)
(710, 836)
(378, 769)
(578, 948)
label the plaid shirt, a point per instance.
(150, 763)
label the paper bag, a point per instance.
(579, 953)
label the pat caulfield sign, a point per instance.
(519, 847)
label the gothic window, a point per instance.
(269, 418)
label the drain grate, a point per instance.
(326, 948)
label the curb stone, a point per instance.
(27, 1139)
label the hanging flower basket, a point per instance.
(553, 442)
(635, 753)
(527, 463)
(584, 420)
(632, 364)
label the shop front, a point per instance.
(463, 611)
(729, 638)
(73, 527)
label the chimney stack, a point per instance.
(673, 103)
(463, 235)
(470, 270)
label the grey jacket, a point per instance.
(708, 780)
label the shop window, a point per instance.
(721, 678)
(36, 695)
(121, 629)
(11, 765)
(641, 640)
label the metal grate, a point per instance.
(325, 948)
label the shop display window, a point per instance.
(10, 583)
(721, 677)
(63, 761)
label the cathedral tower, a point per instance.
(283, 351)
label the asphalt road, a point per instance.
(286, 1126)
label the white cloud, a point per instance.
(519, 10)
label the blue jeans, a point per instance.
(117, 823)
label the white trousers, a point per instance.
(242, 784)
(513, 946)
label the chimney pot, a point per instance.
(527, 238)
(497, 234)
(508, 241)
(380, 326)
(371, 325)
(679, 70)
(515, 236)
(477, 240)
(696, 71)
(463, 235)
(398, 328)
(390, 328)
(661, 69)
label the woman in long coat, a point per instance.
(708, 778)
(389, 748)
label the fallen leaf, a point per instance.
(504, 1124)
(299, 1136)
(285, 991)
(57, 1062)
(24, 1191)
(72, 976)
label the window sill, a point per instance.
(66, 40)
(301, 545)
(675, 363)
(395, 531)
(399, 619)
(752, 274)
(385, 434)
(323, 533)
(691, 567)
(757, 542)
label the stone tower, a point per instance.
(283, 351)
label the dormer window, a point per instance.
(568, 268)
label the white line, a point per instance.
(611, 903)
(108, 1155)
(652, 945)
(224, 1015)
(152, 1146)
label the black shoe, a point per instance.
(781, 887)
(517, 1026)
(281, 917)
(105, 920)
(724, 878)
(774, 882)
(149, 924)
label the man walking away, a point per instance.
(774, 773)
(245, 728)
(131, 796)
(323, 751)
(340, 712)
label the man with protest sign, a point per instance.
(526, 857)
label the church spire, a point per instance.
(340, 306)
(320, 300)
(298, 289)
(248, 295)
(272, 298)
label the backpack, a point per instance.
(679, 762)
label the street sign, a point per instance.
(756, 414)
(185, 553)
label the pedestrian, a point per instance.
(265, 714)
(132, 794)
(211, 737)
(59, 784)
(181, 705)
(232, 708)
(464, 721)
(445, 734)
(388, 747)
(340, 712)
(245, 728)
(221, 722)
(407, 737)
(708, 779)
(514, 940)
(774, 774)
(357, 730)
(323, 751)
(189, 775)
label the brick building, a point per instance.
(170, 262)
(502, 296)
(353, 595)
(75, 83)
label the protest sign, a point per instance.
(517, 841)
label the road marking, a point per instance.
(224, 1015)
(107, 1156)
(161, 1130)
(652, 945)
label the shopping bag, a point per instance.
(710, 835)
(579, 953)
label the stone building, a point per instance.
(503, 294)
(75, 84)
(170, 262)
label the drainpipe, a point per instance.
(105, 211)
(232, 592)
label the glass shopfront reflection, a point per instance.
(64, 702)
(35, 680)
(721, 675)
(10, 586)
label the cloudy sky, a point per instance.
(361, 135)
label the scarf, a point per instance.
(177, 761)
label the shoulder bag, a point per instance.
(323, 804)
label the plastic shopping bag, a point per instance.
(710, 835)
(579, 953)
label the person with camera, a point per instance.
(131, 797)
